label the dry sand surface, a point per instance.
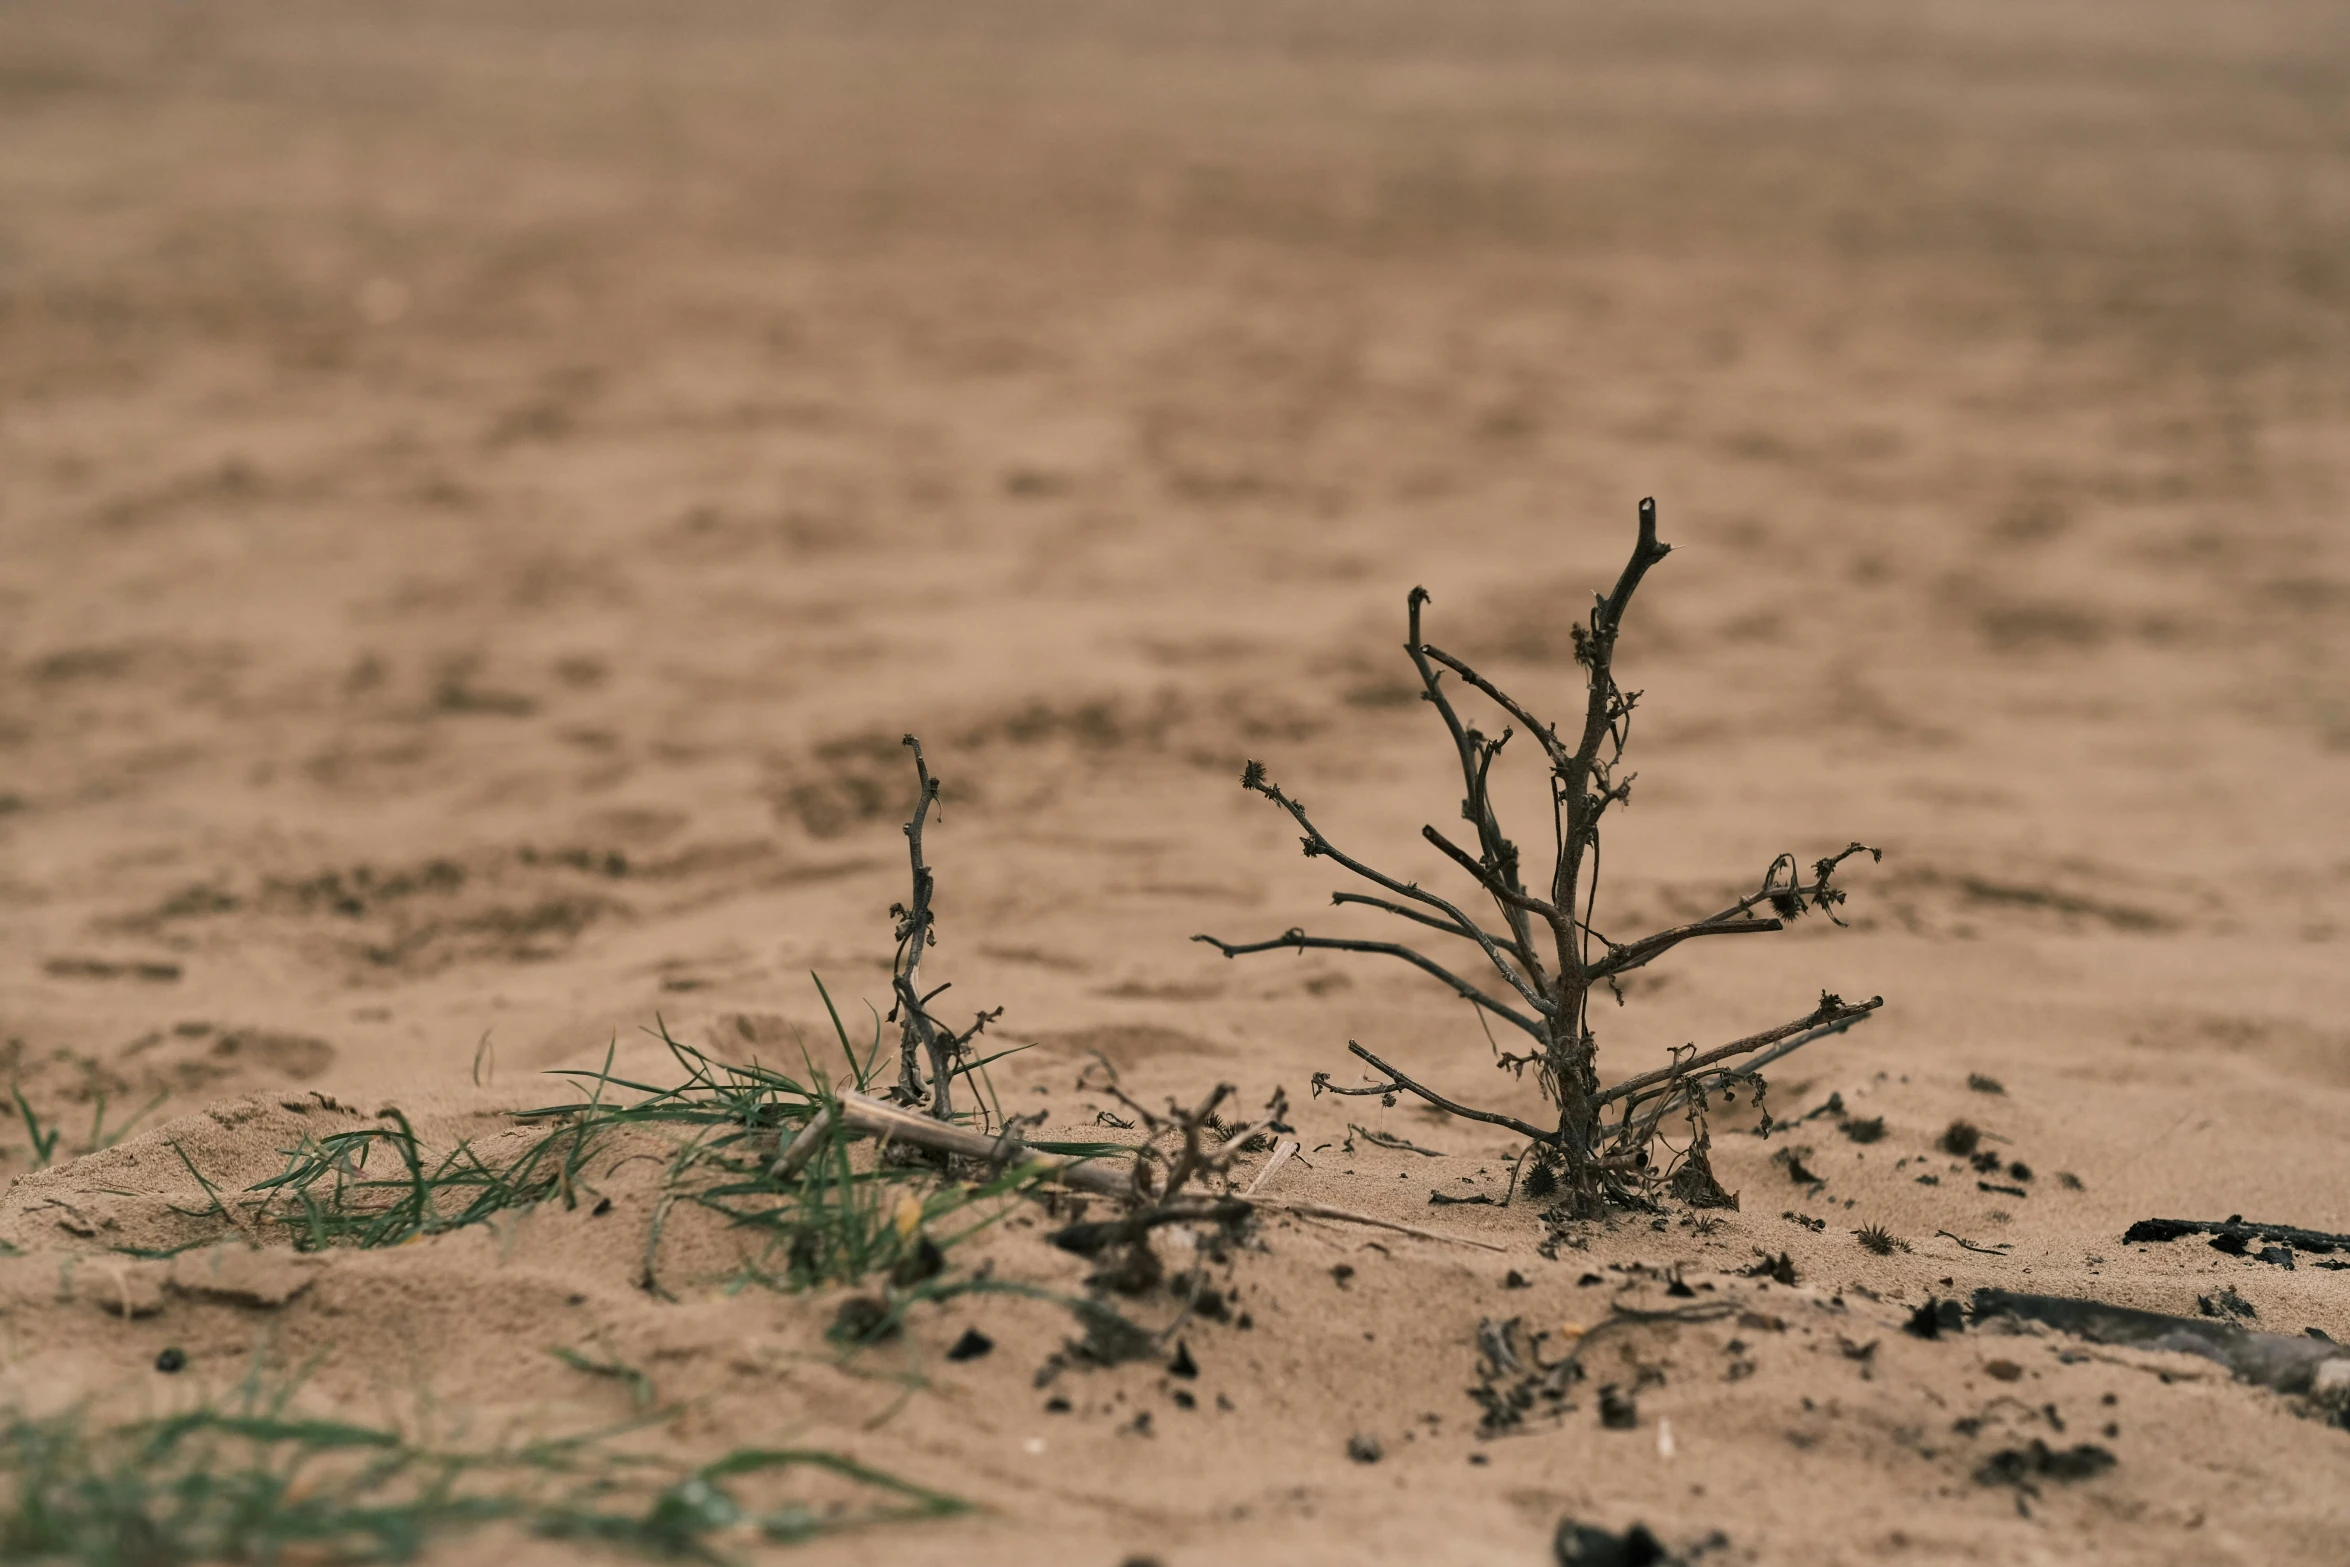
(483, 490)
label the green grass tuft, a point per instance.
(253, 1482)
(841, 1217)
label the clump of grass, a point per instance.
(250, 1480)
(837, 1218)
(1876, 1238)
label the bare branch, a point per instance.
(1604, 709)
(1789, 898)
(1416, 917)
(1398, 1083)
(1491, 880)
(1252, 777)
(1633, 955)
(1299, 940)
(1477, 804)
(1608, 615)
(1551, 745)
(1832, 1013)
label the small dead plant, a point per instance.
(1545, 952)
(924, 1039)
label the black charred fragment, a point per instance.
(2234, 1228)
(1587, 1545)
(1797, 1171)
(1110, 1339)
(2023, 1467)
(1935, 1318)
(2287, 1363)
(2226, 1304)
(924, 1262)
(1134, 1271)
(862, 1319)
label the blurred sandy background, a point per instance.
(484, 487)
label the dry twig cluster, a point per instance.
(1545, 951)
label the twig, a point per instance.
(1622, 1316)
(802, 1147)
(1397, 1081)
(1636, 954)
(1390, 1140)
(1302, 942)
(1416, 917)
(1253, 777)
(1315, 1210)
(1999, 1250)
(879, 1118)
(1283, 1152)
(1821, 1019)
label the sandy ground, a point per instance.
(483, 490)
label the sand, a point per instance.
(483, 490)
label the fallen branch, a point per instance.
(894, 1123)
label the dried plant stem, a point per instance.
(1544, 950)
(923, 1041)
(894, 1123)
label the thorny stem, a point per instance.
(1585, 782)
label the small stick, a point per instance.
(882, 1119)
(1988, 1251)
(1398, 1082)
(1282, 1152)
(797, 1152)
(1315, 1210)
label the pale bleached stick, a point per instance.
(880, 1118)
(1281, 1156)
